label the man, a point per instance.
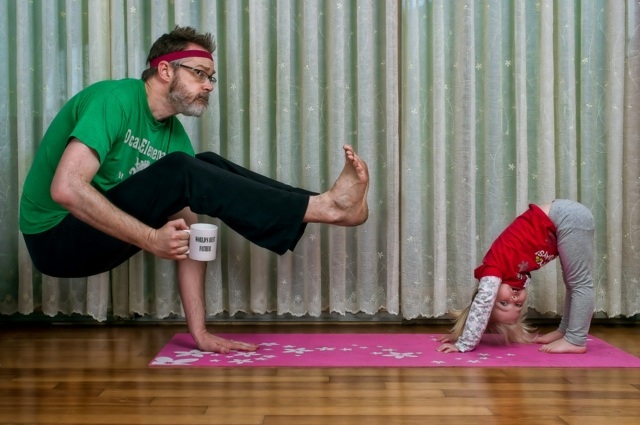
(116, 173)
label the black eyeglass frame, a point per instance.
(200, 74)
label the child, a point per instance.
(562, 229)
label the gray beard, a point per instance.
(179, 99)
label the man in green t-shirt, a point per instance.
(116, 173)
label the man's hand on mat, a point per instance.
(211, 343)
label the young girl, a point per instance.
(562, 229)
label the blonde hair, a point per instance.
(518, 332)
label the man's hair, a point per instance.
(175, 41)
(518, 332)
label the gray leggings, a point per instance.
(575, 236)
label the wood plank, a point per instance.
(260, 393)
(114, 409)
(502, 387)
(574, 393)
(31, 400)
(278, 402)
(171, 378)
(332, 410)
(106, 418)
(565, 407)
(600, 420)
(409, 420)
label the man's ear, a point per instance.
(165, 71)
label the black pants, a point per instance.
(264, 211)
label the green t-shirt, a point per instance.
(113, 118)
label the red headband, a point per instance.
(169, 57)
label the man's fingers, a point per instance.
(224, 346)
(244, 346)
(212, 343)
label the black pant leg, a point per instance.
(74, 249)
(224, 164)
(264, 211)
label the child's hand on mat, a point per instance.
(448, 348)
(447, 338)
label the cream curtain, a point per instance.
(465, 112)
(297, 80)
(506, 103)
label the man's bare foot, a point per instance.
(345, 204)
(548, 338)
(562, 346)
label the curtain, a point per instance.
(297, 81)
(465, 112)
(506, 103)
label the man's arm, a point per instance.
(71, 188)
(191, 278)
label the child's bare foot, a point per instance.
(548, 338)
(345, 204)
(562, 346)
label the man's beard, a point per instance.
(180, 99)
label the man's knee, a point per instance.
(175, 159)
(210, 157)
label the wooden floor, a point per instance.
(62, 374)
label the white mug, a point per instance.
(203, 239)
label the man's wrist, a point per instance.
(199, 335)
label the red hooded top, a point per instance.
(527, 244)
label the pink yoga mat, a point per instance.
(382, 350)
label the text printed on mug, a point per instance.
(203, 239)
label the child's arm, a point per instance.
(479, 313)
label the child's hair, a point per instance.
(518, 332)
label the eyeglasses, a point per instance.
(200, 74)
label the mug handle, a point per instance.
(188, 231)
